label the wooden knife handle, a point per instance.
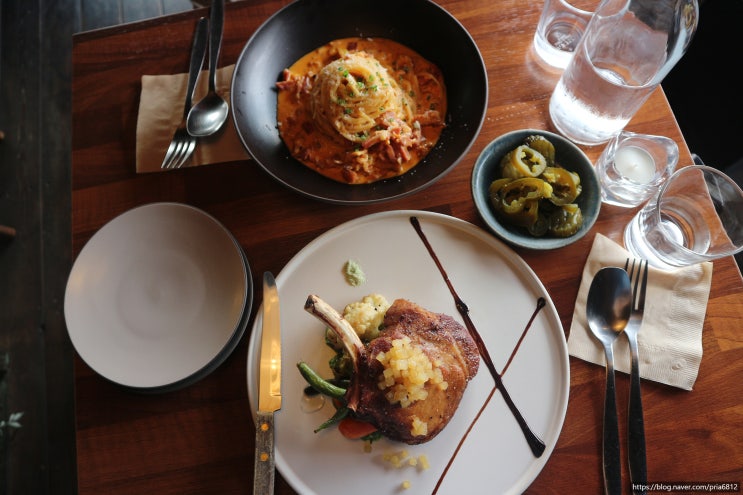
(263, 474)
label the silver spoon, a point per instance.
(608, 310)
(209, 114)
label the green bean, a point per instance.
(373, 437)
(340, 413)
(319, 383)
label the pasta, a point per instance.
(359, 110)
(352, 93)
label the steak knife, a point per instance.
(269, 389)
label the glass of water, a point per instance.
(560, 28)
(628, 48)
(696, 216)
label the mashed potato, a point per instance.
(367, 315)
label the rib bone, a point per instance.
(348, 337)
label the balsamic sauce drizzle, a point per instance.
(536, 445)
(540, 304)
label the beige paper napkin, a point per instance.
(670, 339)
(161, 110)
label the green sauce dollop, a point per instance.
(353, 273)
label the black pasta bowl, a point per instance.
(305, 25)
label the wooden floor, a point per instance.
(36, 375)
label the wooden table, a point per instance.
(200, 439)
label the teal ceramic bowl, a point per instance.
(568, 155)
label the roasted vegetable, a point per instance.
(355, 428)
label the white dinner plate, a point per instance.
(156, 298)
(501, 292)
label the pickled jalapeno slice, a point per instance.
(565, 221)
(527, 216)
(496, 186)
(522, 162)
(516, 193)
(564, 185)
(541, 226)
(543, 146)
(517, 201)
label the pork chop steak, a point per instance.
(412, 338)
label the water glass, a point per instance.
(560, 28)
(633, 166)
(628, 48)
(696, 216)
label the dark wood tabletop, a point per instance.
(200, 439)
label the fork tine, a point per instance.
(630, 269)
(633, 278)
(169, 155)
(188, 147)
(643, 285)
(639, 282)
(176, 152)
(184, 153)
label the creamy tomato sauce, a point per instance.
(318, 103)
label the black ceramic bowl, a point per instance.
(487, 169)
(308, 24)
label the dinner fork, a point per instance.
(636, 424)
(182, 145)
